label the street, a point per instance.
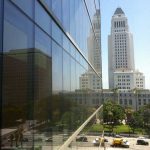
(57, 141)
(89, 146)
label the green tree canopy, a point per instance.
(113, 113)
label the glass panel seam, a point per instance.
(1, 65)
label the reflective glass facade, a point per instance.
(43, 54)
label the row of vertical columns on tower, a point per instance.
(119, 24)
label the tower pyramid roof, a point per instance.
(118, 11)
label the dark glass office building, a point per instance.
(43, 53)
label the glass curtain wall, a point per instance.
(41, 71)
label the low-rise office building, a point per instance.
(129, 80)
(126, 98)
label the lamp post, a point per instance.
(136, 99)
(135, 91)
(118, 96)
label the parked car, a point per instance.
(99, 141)
(50, 139)
(105, 140)
(82, 139)
(65, 136)
(142, 141)
(9, 139)
(96, 142)
(118, 136)
(25, 140)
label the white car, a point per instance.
(125, 143)
(99, 141)
(96, 142)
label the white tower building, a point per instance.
(120, 52)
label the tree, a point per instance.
(115, 93)
(140, 119)
(113, 114)
(75, 117)
(136, 121)
(136, 91)
(146, 118)
(128, 112)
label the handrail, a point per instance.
(74, 135)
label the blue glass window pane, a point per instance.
(72, 20)
(48, 3)
(66, 43)
(26, 5)
(77, 21)
(91, 7)
(85, 64)
(18, 62)
(77, 56)
(57, 9)
(66, 72)
(66, 14)
(72, 51)
(42, 18)
(73, 75)
(18, 30)
(82, 61)
(1, 22)
(1, 56)
(78, 75)
(56, 68)
(56, 33)
(42, 41)
(97, 3)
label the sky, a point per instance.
(138, 14)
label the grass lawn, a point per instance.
(117, 129)
(122, 128)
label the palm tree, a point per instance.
(115, 92)
(136, 92)
(128, 112)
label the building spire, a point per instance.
(118, 11)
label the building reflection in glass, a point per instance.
(90, 79)
(40, 72)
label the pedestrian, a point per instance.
(21, 138)
(16, 138)
(11, 137)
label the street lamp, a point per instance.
(118, 96)
(136, 97)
